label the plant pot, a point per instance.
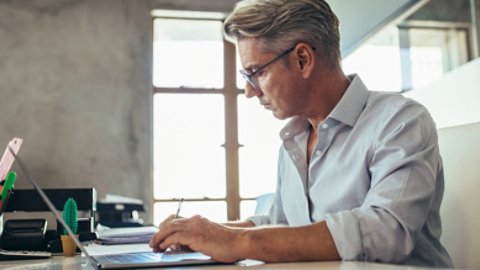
(68, 246)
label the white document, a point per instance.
(131, 235)
(95, 249)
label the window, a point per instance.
(378, 61)
(189, 159)
(212, 146)
(193, 50)
(434, 51)
(409, 56)
(260, 140)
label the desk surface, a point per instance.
(81, 263)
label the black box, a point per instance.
(29, 200)
(24, 234)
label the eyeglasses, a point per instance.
(249, 76)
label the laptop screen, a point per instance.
(6, 162)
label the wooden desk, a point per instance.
(81, 263)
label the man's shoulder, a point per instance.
(391, 102)
(385, 109)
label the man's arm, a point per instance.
(230, 244)
(399, 214)
(283, 244)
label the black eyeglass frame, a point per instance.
(249, 76)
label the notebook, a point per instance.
(125, 260)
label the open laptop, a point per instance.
(124, 260)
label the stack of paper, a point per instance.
(112, 198)
(132, 235)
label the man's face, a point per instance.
(276, 84)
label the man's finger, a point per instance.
(167, 229)
(176, 239)
(164, 231)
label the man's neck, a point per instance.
(327, 92)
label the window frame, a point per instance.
(231, 144)
(404, 29)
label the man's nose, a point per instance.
(250, 91)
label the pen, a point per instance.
(179, 208)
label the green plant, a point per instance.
(70, 215)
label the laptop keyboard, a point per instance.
(134, 257)
(148, 257)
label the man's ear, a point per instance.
(305, 59)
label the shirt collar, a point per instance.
(295, 126)
(347, 110)
(352, 103)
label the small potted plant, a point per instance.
(70, 216)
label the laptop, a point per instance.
(124, 260)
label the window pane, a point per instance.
(378, 62)
(189, 161)
(258, 132)
(216, 211)
(187, 53)
(434, 52)
(247, 209)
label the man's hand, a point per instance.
(199, 234)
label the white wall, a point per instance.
(460, 149)
(454, 99)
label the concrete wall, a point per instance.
(75, 84)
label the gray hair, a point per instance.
(279, 24)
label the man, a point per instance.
(359, 173)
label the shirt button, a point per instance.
(295, 157)
(286, 133)
(318, 152)
(325, 126)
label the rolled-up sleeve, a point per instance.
(259, 220)
(404, 165)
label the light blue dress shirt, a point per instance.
(375, 177)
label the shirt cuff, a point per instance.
(345, 230)
(260, 220)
